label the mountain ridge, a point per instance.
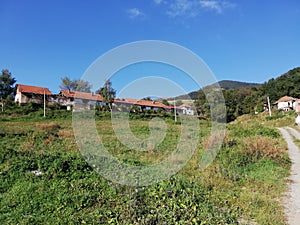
(224, 84)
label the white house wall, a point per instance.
(23, 99)
(187, 111)
(20, 98)
(284, 105)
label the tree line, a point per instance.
(106, 91)
(239, 101)
(7, 88)
(247, 100)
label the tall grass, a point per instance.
(243, 184)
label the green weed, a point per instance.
(243, 183)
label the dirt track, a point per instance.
(292, 200)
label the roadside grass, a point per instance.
(244, 183)
(296, 140)
(278, 119)
(296, 127)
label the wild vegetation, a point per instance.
(44, 178)
(75, 85)
(224, 84)
(251, 99)
(6, 88)
(240, 98)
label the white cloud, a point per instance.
(158, 2)
(213, 5)
(218, 6)
(182, 8)
(192, 8)
(134, 13)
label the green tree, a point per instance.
(245, 100)
(165, 102)
(148, 98)
(108, 93)
(6, 87)
(202, 105)
(6, 84)
(286, 84)
(178, 102)
(75, 85)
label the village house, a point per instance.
(183, 109)
(126, 104)
(296, 106)
(149, 105)
(297, 109)
(285, 103)
(35, 94)
(186, 109)
(85, 100)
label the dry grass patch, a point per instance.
(264, 147)
(47, 126)
(65, 133)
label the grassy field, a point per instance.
(244, 184)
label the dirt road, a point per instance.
(292, 200)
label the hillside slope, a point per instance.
(224, 84)
(286, 84)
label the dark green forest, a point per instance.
(251, 98)
(224, 84)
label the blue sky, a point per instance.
(245, 40)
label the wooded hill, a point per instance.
(251, 98)
(224, 84)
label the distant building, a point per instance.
(296, 106)
(186, 109)
(35, 94)
(125, 104)
(81, 99)
(183, 109)
(285, 103)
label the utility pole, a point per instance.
(44, 103)
(2, 104)
(269, 106)
(175, 110)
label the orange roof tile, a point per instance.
(33, 89)
(141, 102)
(82, 95)
(150, 103)
(285, 99)
(130, 100)
(184, 106)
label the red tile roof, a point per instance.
(81, 95)
(172, 107)
(141, 102)
(185, 106)
(33, 89)
(285, 99)
(123, 101)
(150, 103)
